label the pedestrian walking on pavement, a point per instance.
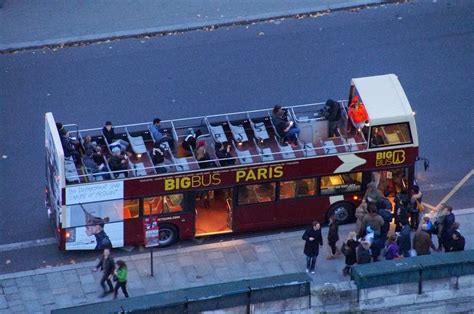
(404, 240)
(415, 203)
(333, 237)
(121, 278)
(349, 250)
(449, 220)
(314, 240)
(107, 266)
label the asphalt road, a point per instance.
(429, 45)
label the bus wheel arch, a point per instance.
(169, 234)
(344, 212)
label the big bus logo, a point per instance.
(192, 181)
(389, 158)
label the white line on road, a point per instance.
(27, 244)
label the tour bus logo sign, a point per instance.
(213, 179)
(389, 158)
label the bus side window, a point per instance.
(287, 190)
(338, 184)
(130, 209)
(153, 205)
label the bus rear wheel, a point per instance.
(168, 235)
(343, 211)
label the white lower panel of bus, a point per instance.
(94, 237)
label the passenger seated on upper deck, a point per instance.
(69, 145)
(202, 156)
(109, 134)
(358, 114)
(158, 157)
(88, 144)
(223, 153)
(118, 162)
(189, 142)
(286, 129)
(90, 163)
(159, 135)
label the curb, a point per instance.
(179, 28)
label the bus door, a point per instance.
(392, 181)
(213, 212)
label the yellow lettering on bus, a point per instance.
(185, 182)
(262, 173)
(169, 184)
(216, 179)
(384, 159)
(278, 172)
(240, 174)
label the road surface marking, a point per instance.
(456, 188)
(27, 244)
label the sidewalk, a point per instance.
(37, 23)
(41, 290)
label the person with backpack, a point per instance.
(349, 250)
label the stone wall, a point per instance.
(441, 295)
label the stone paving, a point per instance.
(41, 290)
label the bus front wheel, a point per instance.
(168, 235)
(343, 211)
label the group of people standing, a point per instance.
(372, 238)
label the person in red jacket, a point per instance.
(357, 113)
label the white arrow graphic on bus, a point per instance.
(349, 162)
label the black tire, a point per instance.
(168, 235)
(344, 212)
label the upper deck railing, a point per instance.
(252, 135)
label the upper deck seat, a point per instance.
(218, 133)
(286, 151)
(71, 171)
(259, 130)
(138, 145)
(309, 150)
(245, 157)
(265, 153)
(352, 145)
(238, 132)
(329, 147)
(181, 164)
(138, 168)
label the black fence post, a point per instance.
(420, 282)
(249, 298)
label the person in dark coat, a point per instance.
(350, 252)
(107, 266)
(333, 114)
(449, 236)
(223, 153)
(314, 240)
(404, 240)
(448, 221)
(333, 237)
(364, 256)
(457, 243)
(402, 202)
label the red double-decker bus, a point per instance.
(262, 184)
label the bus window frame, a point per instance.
(187, 206)
(362, 184)
(296, 197)
(372, 127)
